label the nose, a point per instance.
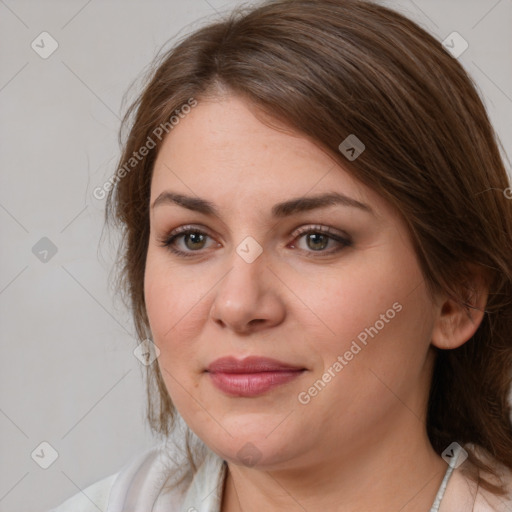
(248, 299)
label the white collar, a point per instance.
(139, 485)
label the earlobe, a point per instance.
(457, 321)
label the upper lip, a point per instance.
(251, 364)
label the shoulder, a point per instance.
(154, 480)
(465, 493)
(141, 476)
(487, 501)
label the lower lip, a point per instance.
(252, 384)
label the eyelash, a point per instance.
(169, 241)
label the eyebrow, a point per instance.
(279, 210)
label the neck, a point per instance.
(402, 474)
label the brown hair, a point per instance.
(331, 68)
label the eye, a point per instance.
(317, 238)
(192, 238)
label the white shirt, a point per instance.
(139, 487)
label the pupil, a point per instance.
(314, 237)
(192, 236)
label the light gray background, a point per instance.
(68, 373)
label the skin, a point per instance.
(360, 444)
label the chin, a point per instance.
(252, 447)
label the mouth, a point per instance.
(252, 376)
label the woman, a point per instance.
(317, 240)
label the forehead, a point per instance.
(223, 152)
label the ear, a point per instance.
(458, 320)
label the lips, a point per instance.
(251, 364)
(251, 376)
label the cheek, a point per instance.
(172, 300)
(374, 362)
(376, 311)
(169, 304)
(348, 300)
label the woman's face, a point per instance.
(333, 291)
